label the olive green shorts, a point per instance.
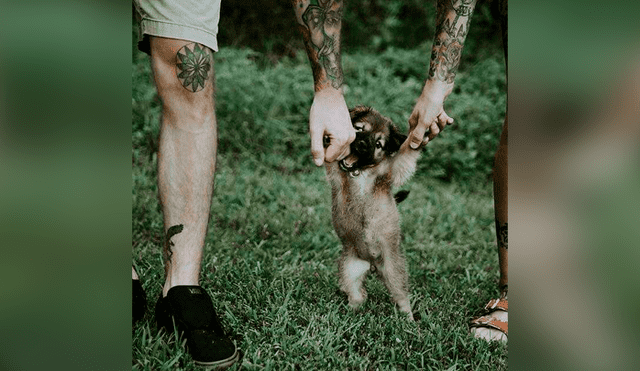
(191, 20)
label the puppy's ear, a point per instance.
(358, 112)
(396, 139)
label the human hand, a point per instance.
(428, 113)
(329, 116)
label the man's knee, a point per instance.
(184, 76)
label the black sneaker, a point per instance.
(139, 301)
(192, 310)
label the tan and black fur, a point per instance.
(364, 210)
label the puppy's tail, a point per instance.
(401, 196)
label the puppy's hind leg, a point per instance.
(353, 271)
(394, 275)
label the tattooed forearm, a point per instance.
(320, 22)
(194, 66)
(452, 26)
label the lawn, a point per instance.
(270, 256)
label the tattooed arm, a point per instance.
(320, 22)
(452, 26)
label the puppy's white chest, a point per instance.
(362, 184)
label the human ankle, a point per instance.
(170, 283)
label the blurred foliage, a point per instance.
(368, 25)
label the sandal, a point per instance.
(494, 327)
(191, 309)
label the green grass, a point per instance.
(270, 256)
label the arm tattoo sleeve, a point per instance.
(320, 22)
(452, 26)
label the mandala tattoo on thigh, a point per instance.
(194, 66)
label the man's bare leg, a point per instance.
(184, 75)
(498, 314)
(501, 204)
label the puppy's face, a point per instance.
(377, 138)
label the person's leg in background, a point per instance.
(501, 203)
(494, 325)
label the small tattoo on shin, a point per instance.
(172, 231)
(502, 232)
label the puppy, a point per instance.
(364, 210)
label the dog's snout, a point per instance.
(361, 143)
(360, 146)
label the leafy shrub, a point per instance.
(269, 26)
